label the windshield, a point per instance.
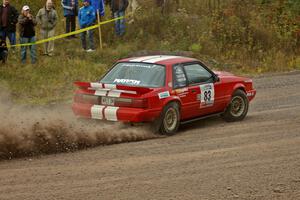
(136, 74)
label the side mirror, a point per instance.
(216, 78)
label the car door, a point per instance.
(187, 94)
(200, 78)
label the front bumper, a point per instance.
(112, 113)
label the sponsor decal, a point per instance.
(127, 81)
(182, 92)
(207, 96)
(139, 65)
(164, 95)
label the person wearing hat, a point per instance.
(27, 33)
(87, 17)
(8, 20)
(47, 19)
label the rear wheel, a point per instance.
(169, 120)
(238, 107)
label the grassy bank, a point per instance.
(244, 37)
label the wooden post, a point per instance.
(99, 28)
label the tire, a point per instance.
(238, 107)
(169, 121)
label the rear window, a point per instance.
(136, 74)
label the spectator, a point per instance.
(27, 34)
(87, 18)
(3, 50)
(8, 21)
(47, 19)
(118, 8)
(70, 12)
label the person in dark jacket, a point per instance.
(3, 50)
(8, 21)
(118, 8)
(70, 12)
(27, 34)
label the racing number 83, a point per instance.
(208, 94)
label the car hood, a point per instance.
(223, 73)
(226, 76)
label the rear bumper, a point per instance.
(111, 113)
(251, 94)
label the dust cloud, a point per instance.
(31, 131)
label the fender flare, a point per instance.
(172, 99)
(238, 86)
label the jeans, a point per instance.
(48, 46)
(90, 40)
(32, 48)
(70, 23)
(119, 24)
(11, 36)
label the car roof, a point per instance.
(159, 59)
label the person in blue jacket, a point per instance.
(70, 8)
(87, 17)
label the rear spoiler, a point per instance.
(109, 87)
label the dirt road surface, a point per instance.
(258, 158)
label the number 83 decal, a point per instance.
(207, 94)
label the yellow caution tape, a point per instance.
(66, 34)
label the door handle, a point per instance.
(193, 91)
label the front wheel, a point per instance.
(169, 120)
(238, 107)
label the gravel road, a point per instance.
(258, 158)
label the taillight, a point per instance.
(85, 98)
(134, 103)
(140, 103)
(123, 102)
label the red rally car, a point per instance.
(165, 90)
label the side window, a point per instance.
(197, 74)
(179, 78)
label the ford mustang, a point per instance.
(164, 90)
